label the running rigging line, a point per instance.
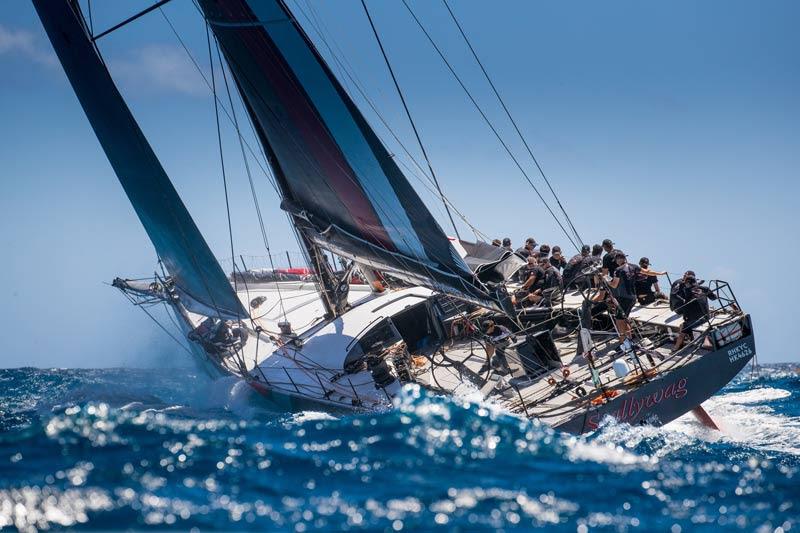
(410, 119)
(511, 118)
(489, 123)
(346, 68)
(249, 175)
(208, 84)
(221, 156)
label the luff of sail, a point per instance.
(185, 254)
(345, 192)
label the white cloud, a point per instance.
(25, 44)
(159, 68)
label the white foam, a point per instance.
(746, 417)
(310, 416)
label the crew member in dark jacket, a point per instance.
(556, 259)
(624, 286)
(609, 261)
(498, 338)
(528, 249)
(572, 270)
(690, 299)
(646, 282)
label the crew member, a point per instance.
(544, 251)
(534, 275)
(507, 244)
(609, 259)
(572, 270)
(624, 287)
(498, 338)
(524, 272)
(496, 242)
(556, 259)
(689, 299)
(528, 249)
(552, 278)
(647, 289)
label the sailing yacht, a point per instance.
(325, 342)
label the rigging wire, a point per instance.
(489, 123)
(343, 66)
(511, 118)
(249, 174)
(159, 324)
(408, 114)
(221, 156)
(208, 84)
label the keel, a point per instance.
(704, 418)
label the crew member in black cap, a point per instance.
(689, 299)
(624, 286)
(609, 261)
(572, 271)
(556, 259)
(507, 244)
(529, 248)
(646, 281)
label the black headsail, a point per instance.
(343, 190)
(185, 254)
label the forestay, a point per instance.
(344, 191)
(185, 254)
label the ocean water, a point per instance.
(161, 449)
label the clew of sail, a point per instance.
(198, 276)
(344, 191)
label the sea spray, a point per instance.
(140, 448)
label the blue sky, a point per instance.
(670, 127)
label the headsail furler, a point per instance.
(197, 275)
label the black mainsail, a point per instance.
(344, 191)
(198, 276)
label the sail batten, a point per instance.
(179, 244)
(353, 197)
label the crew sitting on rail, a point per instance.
(646, 282)
(528, 249)
(556, 259)
(533, 277)
(552, 278)
(624, 286)
(524, 272)
(543, 281)
(689, 299)
(507, 244)
(572, 270)
(497, 337)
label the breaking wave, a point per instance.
(110, 449)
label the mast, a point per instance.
(333, 293)
(342, 189)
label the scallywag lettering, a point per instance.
(634, 405)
